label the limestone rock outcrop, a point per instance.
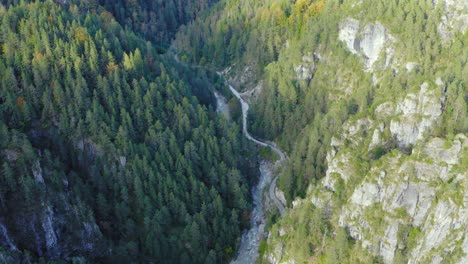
(368, 41)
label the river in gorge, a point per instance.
(250, 241)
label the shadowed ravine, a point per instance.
(250, 241)
(271, 145)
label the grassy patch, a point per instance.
(261, 250)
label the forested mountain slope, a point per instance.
(157, 21)
(108, 152)
(369, 99)
(111, 151)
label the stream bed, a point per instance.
(250, 241)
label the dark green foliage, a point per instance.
(272, 42)
(378, 152)
(353, 107)
(117, 134)
(272, 37)
(157, 21)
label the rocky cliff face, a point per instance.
(425, 190)
(399, 191)
(455, 18)
(416, 114)
(58, 227)
(416, 201)
(367, 42)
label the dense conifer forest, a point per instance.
(112, 151)
(312, 86)
(270, 37)
(109, 151)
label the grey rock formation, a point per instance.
(454, 19)
(416, 114)
(51, 239)
(465, 250)
(373, 41)
(5, 240)
(410, 66)
(349, 29)
(37, 172)
(389, 242)
(384, 110)
(377, 139)
(277, 255)
(406, 194)
(437, 150)
(366, 194)
(403, 189)
(368, 42)
(307, 68)
(337, 167)
(222, 105)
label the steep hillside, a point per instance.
(369, 99)
(157, 21)
(108, 152)
(111, 150)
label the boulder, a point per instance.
(366, 194)
(436, 149)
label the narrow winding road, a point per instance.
(251, 239)
(271, 145)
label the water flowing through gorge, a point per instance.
(250, 241)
